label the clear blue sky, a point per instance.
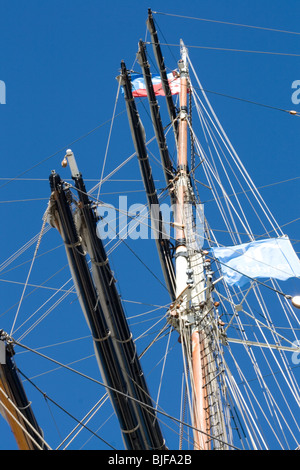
(59, 60)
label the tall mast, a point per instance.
(100, 302)
(155, 114)
(163, 73)
(138, 137)
(192, 312)
(183, 268)
(182, 183)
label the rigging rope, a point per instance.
(31, 266)
(231, 50)
(23, 419)
(228, 145)
(109, 136)
(226, 22)
(61, 150)
(64, 410)
(111, 388)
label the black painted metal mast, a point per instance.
(114, 346)
(138, 136)
(169, 171)
(163, 73)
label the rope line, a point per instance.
(31, 266)
(108, 387)
(227, 23)
(227, 49)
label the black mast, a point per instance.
(138, 136)
(155, 115)
(115, 348)
(109, 299)
(162, 70)
(110, 370)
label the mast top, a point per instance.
(69, 157)
(184, 55)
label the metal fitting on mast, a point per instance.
(183, 67)
(184, 73)
(70, 158)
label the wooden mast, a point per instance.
(14, 405)
(183, 264)
(193, 313)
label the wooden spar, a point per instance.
(201, 405)
(12, 417)
(200, 402)
(181, 185)
(14, 404)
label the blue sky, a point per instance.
(59, 60)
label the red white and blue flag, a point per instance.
(139, 87)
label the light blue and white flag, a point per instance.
(272, 257)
